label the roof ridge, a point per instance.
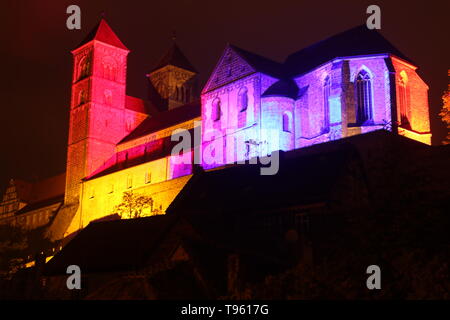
(356, 41)
(175, 57)
(104, 33)
(265, 65)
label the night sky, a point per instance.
(37, 64)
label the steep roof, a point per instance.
(356, 41)
(283, 88)
(39, 191)
(116, 245)
(260, 63)
(140, 105)
(41, 204)
(52, 187)
(301, 180)
(175, 57)
(165, 119)
(103, 32)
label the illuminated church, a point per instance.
(352, 83)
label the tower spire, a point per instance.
(103, 32)
(174, 35)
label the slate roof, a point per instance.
(175, 57)
(306, 176)
(42, 190)
(48, 188)
(103, 32)
(23, 189)
(241, 189)
(160, 148)
(140, 105)
(41, 204)
(118, 245)
(260, 63)
(354, 42)
(165, 119)
(283, 88)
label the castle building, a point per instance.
(349, 84)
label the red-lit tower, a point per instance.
(97, 108)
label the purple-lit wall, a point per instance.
(306, 114)
(236, 128)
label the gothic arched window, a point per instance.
(287, 122)
(109, 68)
(84, 67)
(242, 99)
(216, 110)
(82, 97)
(326, 104)
(403, 98)
(363, 97)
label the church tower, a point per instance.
(97, 108)
(174, 79)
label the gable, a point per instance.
(231, 66)
(358, 41)
(103, 32)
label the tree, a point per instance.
(135, 206)
(445, 111)
(13, 242)
(18, 246)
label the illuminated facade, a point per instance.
(252, 106)
(249, 107)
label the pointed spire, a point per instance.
(175, 57)
(103, 32)
(174, 35)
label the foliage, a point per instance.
(409, 244)
(17, 246)
(13, 243)
(445, 112)
(136, 206)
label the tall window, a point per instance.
(286, 122)
(148, 177)
(242, 99)
(84, 67)
(363, 97)
(403, 98)
(216, 110)
(326, 105)
(109, 66)
(82, 97)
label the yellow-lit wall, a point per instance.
(421, 137)
(100, 196)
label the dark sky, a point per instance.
(36, 60)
